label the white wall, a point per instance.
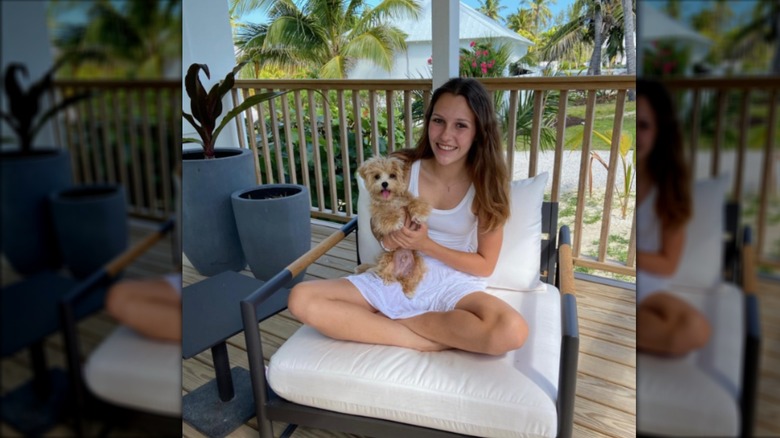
(207, 39)
(25, 39)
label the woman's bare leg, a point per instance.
(338, 310)
(150, 307)
(667, 325)
(480, 323)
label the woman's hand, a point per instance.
(412, 236)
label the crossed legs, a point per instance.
(480, 322)
(668, 326)
(150, 307)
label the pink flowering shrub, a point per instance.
(481, 60)
(665, 59)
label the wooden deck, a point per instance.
(16, 369)
(605, 404)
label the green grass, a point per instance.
(603, 122)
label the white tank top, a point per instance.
(648, 238)
(455, 228)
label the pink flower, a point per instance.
(486, 53)
(473, 43)
(491, 63)
(474, 63)
(484, 69)
(430, 61)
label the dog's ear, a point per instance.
(397, 166)
(363, 169)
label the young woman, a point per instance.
(666, 325)
(457, 167)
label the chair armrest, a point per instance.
(750, 369)
(565, 272)
(567, 374)
(249, 311)
(116, 265)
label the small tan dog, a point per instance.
(391, 202)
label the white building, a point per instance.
(413, 64)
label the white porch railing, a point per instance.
(732, 129)
(127, 132)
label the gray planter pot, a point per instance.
(209, 237)
(274, 223)
(91, 224)
(26, 180)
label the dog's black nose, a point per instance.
(384, 185)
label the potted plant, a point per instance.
(274, 227)
(91, 225)
(28, 175)
(209, 236)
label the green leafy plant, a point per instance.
(24, 106)
(206, 107)
(626, 143)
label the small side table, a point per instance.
(211, 315)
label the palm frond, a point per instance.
(335, 68)
(566, 37)
(389, 9)
(376, 45)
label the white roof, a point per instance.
(654, 25)
(473, 25)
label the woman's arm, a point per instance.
(667, 259)
(481, 263)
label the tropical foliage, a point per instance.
(24, 106)
(484, 60)
(206, 107)
(323, 37)
(129, 39)
(591, 22)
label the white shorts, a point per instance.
(439, 291)
(647, 284)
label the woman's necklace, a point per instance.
(453, 184)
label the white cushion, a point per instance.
(702, 261)
(513, 395)
(677, 398)
(519, 261)
(697, 395)
(133, 371)
(368, 246)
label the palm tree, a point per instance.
(592, 22)
(628, 26)
(491, 8)
(138, 38)
(594, 68)
(764, 27)
(324, 36)
(540, 13)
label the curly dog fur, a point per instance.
(391, 202)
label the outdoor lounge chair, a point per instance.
(387, 391)
(128, 379)
(712, 391)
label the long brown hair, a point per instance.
(485, 162)
(666, 162)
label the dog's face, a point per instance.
(384, 177)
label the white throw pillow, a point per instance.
(368, 246)
(520, 258)
(701, 264)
